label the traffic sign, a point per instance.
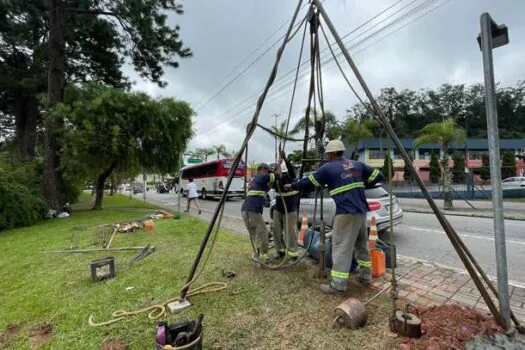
(194, 160)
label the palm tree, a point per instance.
(205, 152)
(332, 127)
(221, 151)
(443, 133)
(354, 131)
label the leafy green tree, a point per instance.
(443, 133)
(77, 41)
(508, 165)
(108, 129)
(205, 153)
(435, 169)
(459, 174)
(407, 175)
(388, 164)
(354, 131)
(332, 128)
(296, 156)
(485, 167)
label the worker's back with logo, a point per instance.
(346, 181)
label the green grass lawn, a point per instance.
(260, 309)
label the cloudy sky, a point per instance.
(414, 44)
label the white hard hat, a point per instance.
(335, 146)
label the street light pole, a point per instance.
(491, 37)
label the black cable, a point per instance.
(218, 210)
(239, 108)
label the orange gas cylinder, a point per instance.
(148, 225)
(378, 262)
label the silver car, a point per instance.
(378, 202)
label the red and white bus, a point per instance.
(211, 178)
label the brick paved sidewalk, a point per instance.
(424, 285)
(429, 285)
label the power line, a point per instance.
(240, 108)
(248, 100)
(305, 73)
(246, 59)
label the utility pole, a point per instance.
(491, 37)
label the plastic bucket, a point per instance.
(314, 248)
(194, 345)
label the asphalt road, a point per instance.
(421, 237)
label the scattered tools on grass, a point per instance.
(92, 250)
(228, 274)
(352, 313)
(115, 228)
(149, 249)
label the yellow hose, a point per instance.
(159, 310)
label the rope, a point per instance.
(159, 310)
(306, 138)
(295, 82)
(250, 131)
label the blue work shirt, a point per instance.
(259, 185)
(346, 181)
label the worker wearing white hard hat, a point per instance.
(346, 181)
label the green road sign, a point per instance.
(194, 160)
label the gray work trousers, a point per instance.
(257, 229)
(349, 231)
(279, 223)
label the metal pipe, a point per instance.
(94, 250)
(238, 157)
(452, 235)
(495, 165)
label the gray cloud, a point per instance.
(438, 48)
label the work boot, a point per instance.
(364, 275)
(293, 255)
(337, 288)
(263, 257)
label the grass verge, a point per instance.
(260, 309)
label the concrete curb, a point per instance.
(449, 213)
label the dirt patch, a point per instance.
(113, 345)
(12, 331)
(450, 327)
(40, 335)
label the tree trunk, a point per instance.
(52, 175)
(26, 120)
(101, 180)
(447, 194)
(112, 187)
